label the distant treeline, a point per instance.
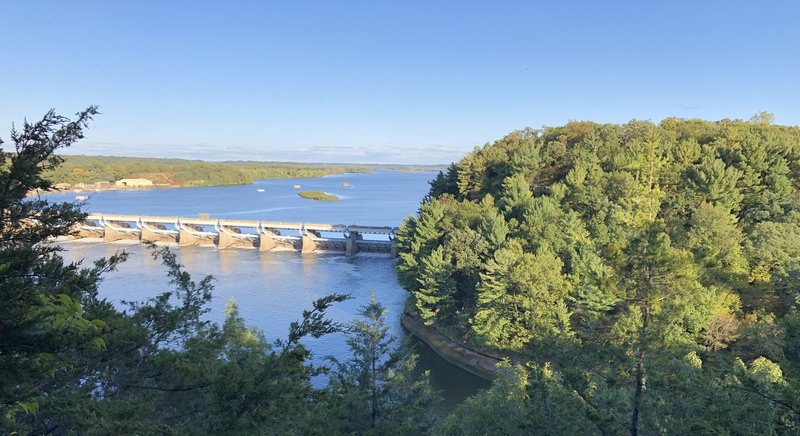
(406, 168)
(182, 172)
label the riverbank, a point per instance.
(474, 362)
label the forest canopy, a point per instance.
(646, 276)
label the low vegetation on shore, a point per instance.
(318, 195)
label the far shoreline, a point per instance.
(162, 187)
(80, 173)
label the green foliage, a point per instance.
(629, 266)
(318, 195)
(715, 183)
(44, 326)
(493, 227)
(516, 198)
(417, 238)
(716, 242)
(436, 285)
(497, 410)
(520, 298)
(377, 391)
(445, 183)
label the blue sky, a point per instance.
(385, 81)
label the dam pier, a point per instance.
(226, 233)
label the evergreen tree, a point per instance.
(444, 183)
(493, 225)
(434, 297)
(467, 250)
(521, 297)
(377, 391)
(516, 199)
(716, 183)
(715, 240)
(44, 324)
(417, 239)
(527, 161)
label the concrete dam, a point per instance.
(225, 233)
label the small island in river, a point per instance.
(318, 195)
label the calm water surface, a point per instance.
(272, 289)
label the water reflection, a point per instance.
(228, 259)
(308, 261)
(453, 389)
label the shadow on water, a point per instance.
(452, 383)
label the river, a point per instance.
(273, 288)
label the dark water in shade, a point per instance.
(272, 289)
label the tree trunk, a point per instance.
(374, 394)
(640, 375)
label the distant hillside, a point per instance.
(407, 168)
(181, 172)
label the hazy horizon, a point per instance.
(69, 152)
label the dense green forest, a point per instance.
(181, 172)
(639, 277)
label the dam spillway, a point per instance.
(227, 233)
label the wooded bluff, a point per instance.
(639, 277)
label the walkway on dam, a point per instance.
(224, 233)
